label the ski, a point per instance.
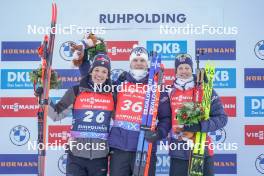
(203, 95)
(144, 148)
(46, 54)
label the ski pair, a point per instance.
(144, 148)
(203, 93)
(46, 53)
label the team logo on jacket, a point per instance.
(259, 163)
(19, 135)
(65, 51)
(259, 49)
(62, 162)
(218, 136)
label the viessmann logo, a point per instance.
(120, 50)
(254, 134)
(18, 107)
(59, 134)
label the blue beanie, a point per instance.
(183, 59)
(101, 60)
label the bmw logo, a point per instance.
(65, 50)
(259, 163)
(62, 162)
(115, 73)
(218, 136)
(19, 135)
(259, 49)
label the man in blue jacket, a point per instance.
(183, 91)
(124, 134)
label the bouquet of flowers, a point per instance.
(190, 113)
(35, 78)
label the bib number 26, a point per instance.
(89, 117)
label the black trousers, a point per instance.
(77, 166)
(122, 163)
(179, 167)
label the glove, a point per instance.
(38, 91)
(193, 128)
(152, 136)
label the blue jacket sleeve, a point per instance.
(164, 115)
(84, 68)
(218, 118)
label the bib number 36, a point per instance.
(135, 107)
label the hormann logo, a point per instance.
(120, 50)
(169, 76)
(229, 105)
(225, 163)
(254, 77)
(68, 77)
(20, 51)
(216, 49)
(18, 164)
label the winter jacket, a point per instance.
(64, 106)
(218, 119)
(127, 140)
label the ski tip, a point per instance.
(54, 12)
(46, 38)
(162, 67)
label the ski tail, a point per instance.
(46, 53)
